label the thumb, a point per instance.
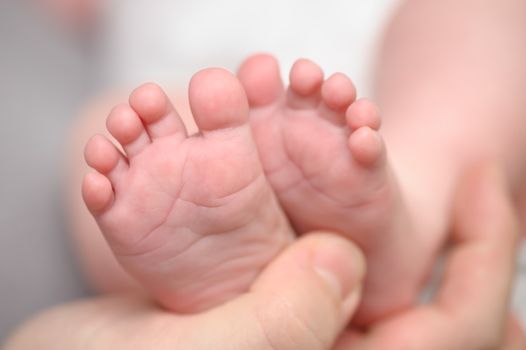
(307, 295)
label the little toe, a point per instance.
(367, 146)
(363, 113)
(97, 193)
(103, 156)
(156, 111)
(306, 78)
(126, 126)
(260, 77)
(217, 100)
(337, 93)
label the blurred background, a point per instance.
(55, 59)
(44, 78)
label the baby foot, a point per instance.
(327, 163)
(192, 218)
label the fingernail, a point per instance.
(340, 264)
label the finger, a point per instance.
(301, 301)
(319, 283)
(471, 306)
(478, 278)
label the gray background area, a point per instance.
(45, 75)
(42, 81)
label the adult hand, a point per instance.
(302, 301)
(306, 296)
(471, 308)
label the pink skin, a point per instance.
(320, 150)
(442, 100)
(191, 218)
(327, 163)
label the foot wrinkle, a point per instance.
(370, 200)
(163, 138)
(156, 227)
(260, 177)
(295, 101)
(237, 227)
(145, 252)
(224, 264)
(182, 189)
(309, 181)
(225, 260)
(160, 185)
(292, 186)
(332, 116)
(232, 229)
(200, 205)
(164, 220)
(182, 251)
(224, 130)
(215, 206)
(264, 112)
(270, 172)
(198, 234)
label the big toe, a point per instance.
(260, 76)
(217, 100)
(367, 146)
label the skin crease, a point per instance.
(412, 164)
(172, 253)
(395, 109)
(329, 169)
(283, 307)
(194, 238)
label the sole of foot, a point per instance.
(324, 156)
(192, 218)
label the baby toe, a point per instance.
(124, 124)
(366, 146)
(363, 113)
(103, 156)
(97, 193)
(154, 108)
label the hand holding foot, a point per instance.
(471, 307)
(192, 218)
(319, 275)
(326, 161)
